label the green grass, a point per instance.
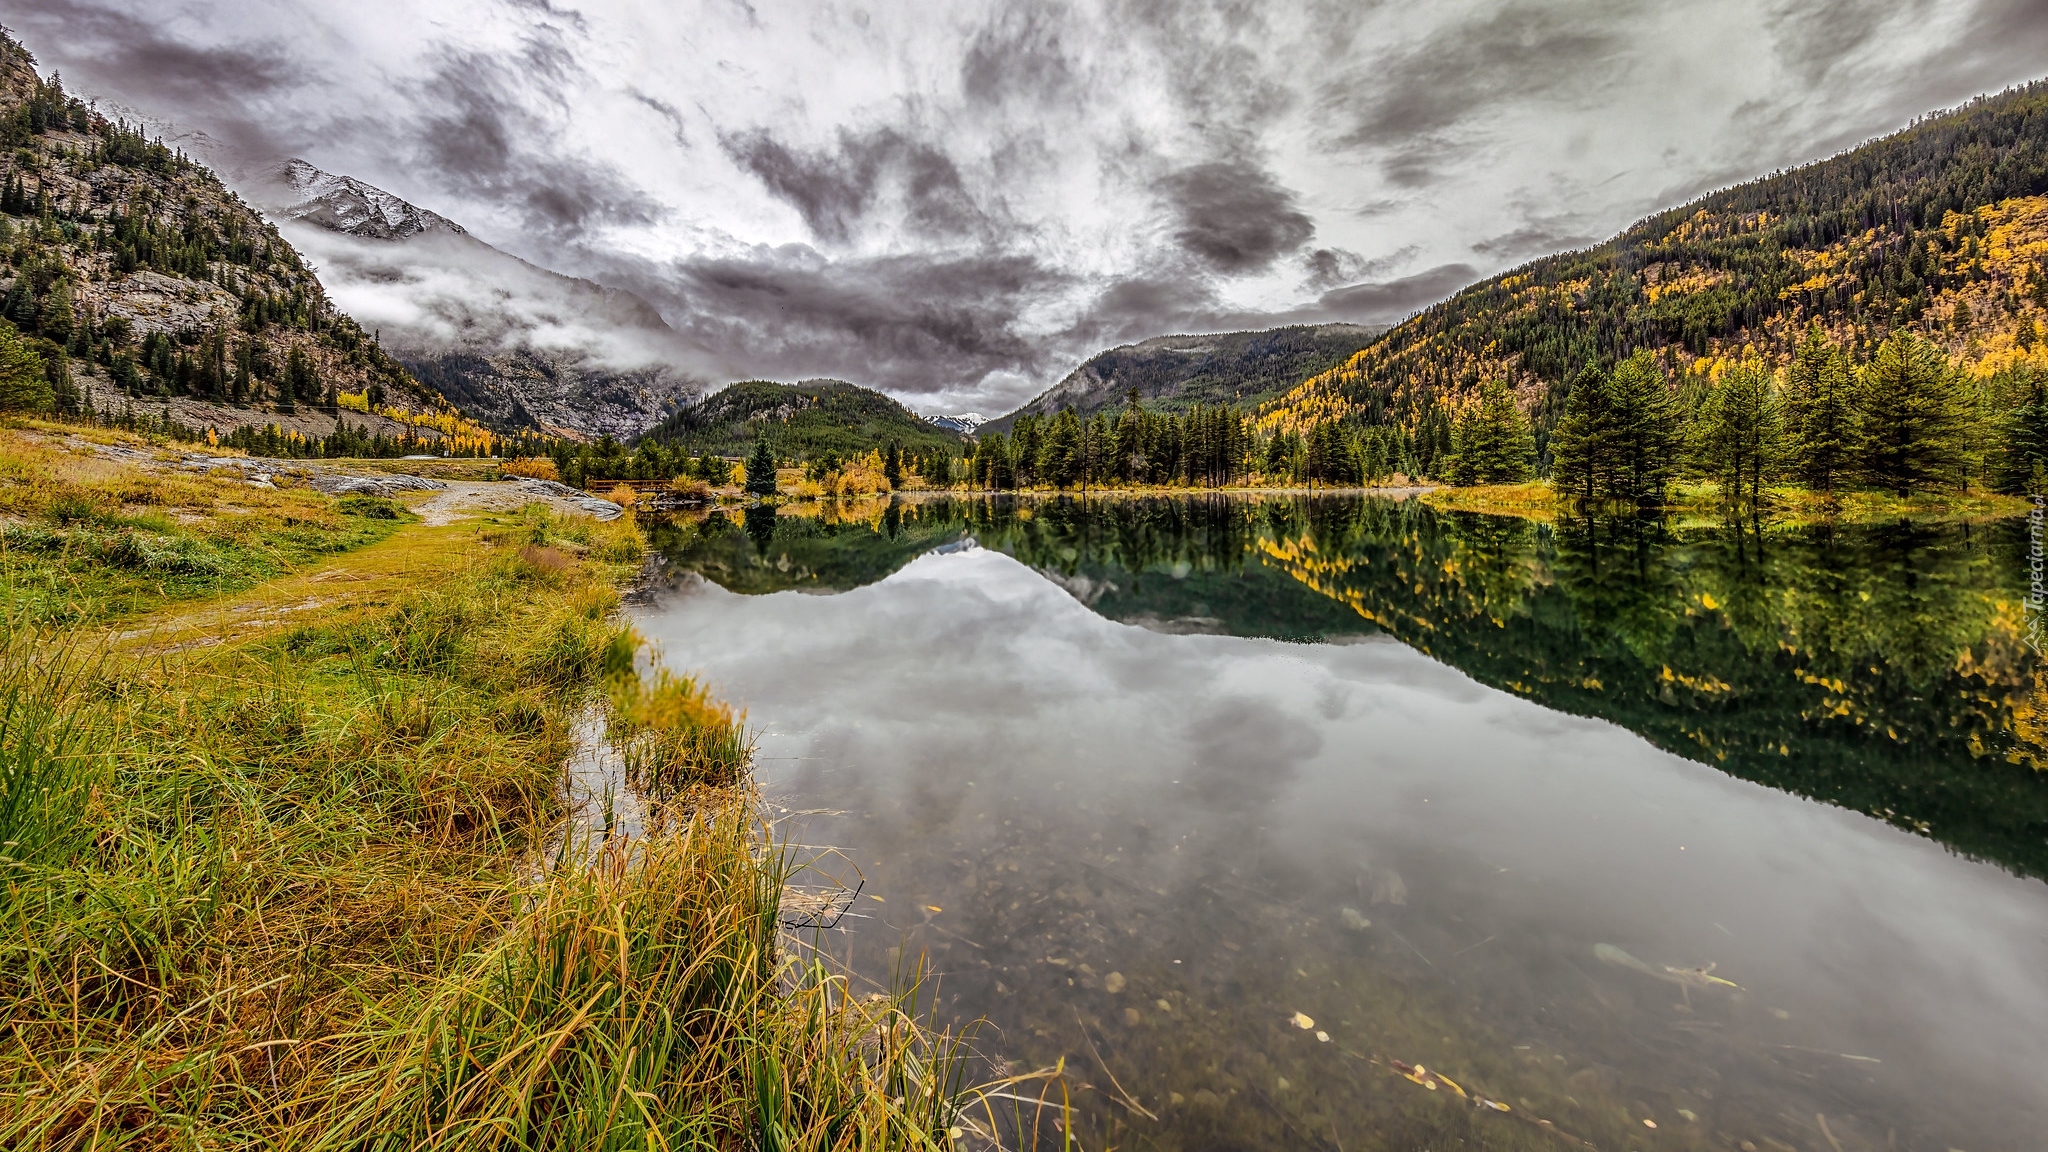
(307, 886)
(83, 541)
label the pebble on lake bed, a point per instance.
(1303, 1021)
(1113, 983)
(1354, 919)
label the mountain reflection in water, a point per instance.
(1159, 846)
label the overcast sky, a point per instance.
(956, 200)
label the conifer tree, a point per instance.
(1737, 434)
(1645, 429)
(1820, 415)
(1492, 443)
(55, 319)
(1059, 460)
(24, 379)
(1911, 416)
(892, 465)
(761, 469)
(2020, 460)
(1582, 450)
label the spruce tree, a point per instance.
(2020, 461)
(1645, 429)
(1738, 432)
(1820, 413)
(761, 469)
(892, 465)
(1059, 458)
(1911, 416)
(1492, 443)
(1582, 446)
(24, 380)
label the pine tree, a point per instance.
(1911, 416)
(761, 469)
(24, 379)
(1582, 446)
(1820, 415)
(892, 465)
(2020, 453)
(1645, 430)
(55, 318)
(1492, 442)
(1059, 459)
(1738, 432)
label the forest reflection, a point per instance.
(1880, 667)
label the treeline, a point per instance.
(1904, 420)
(585, 465)
(1205, 447)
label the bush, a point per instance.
(532, 468)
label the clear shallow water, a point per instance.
(1130, 826)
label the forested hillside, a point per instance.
(1175, 373)
(133, 277)
(1940, 231)
(806, 420)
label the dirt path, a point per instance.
(414, 556)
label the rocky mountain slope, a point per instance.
(517, 346)
(1177, 372)
(1941, 229)
(807, 419)
(145, 283)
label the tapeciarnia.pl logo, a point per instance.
(2036, 611)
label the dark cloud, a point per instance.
(666, 111)
(481, 138)
(1813, 36)
(1329, 267)
(1508, 54)
(568, 16)
(913, 325)
(1409, 105)
(1021, 52)
(141, 62)
(1392, 300)
(1234, 217)
(835, 191)
(1533, 239)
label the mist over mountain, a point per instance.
(515, 345)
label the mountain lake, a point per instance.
(1343, 822)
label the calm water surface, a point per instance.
(1242, 801)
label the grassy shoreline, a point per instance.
(1538, 500)
(275, 869)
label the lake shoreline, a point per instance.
(336, 735)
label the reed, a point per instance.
(292, 889)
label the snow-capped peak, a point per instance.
(345, 204)
(964, 423)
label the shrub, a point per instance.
(531, 467)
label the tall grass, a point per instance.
(47, 776)
(290, 891)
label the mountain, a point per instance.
(517, 346)
(1177, 372)
(1941, 229)
(143, 281)
(964, 423)
(807, 419)
(345, 204)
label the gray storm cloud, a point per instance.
(957, 200)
